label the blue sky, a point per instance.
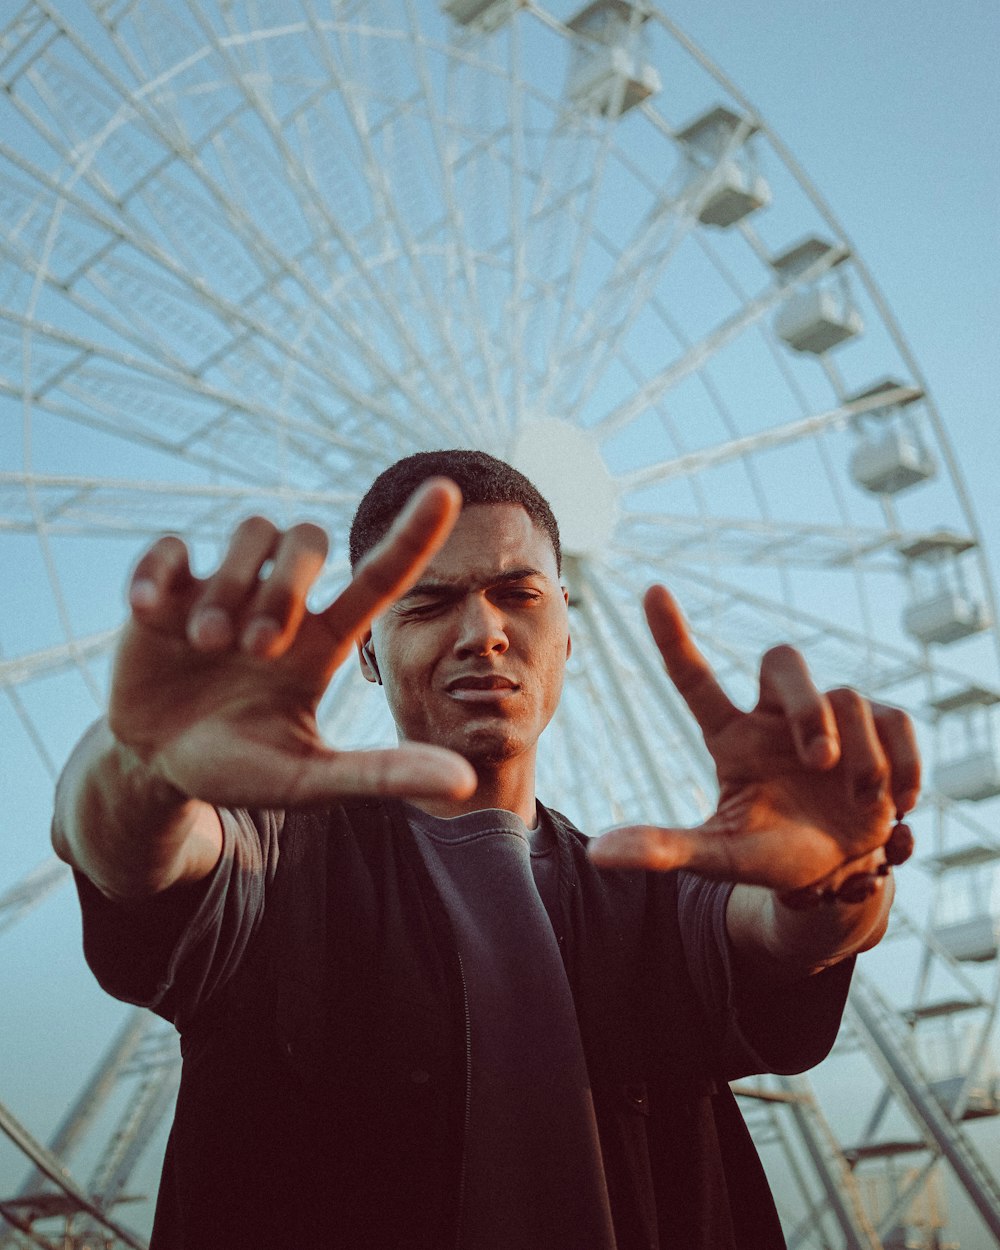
(891, 108)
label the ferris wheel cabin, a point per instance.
(610, 72)
(968, 767)
(891, 455)
(484, 15)
(819, 314)
(724, 181)
(943, 609)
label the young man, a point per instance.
(417, 1009)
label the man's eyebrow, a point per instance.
(451, 586)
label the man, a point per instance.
(449, 1021)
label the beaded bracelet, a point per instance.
(859, 886)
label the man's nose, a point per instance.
(481, 628)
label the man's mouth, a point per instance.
(482, 688)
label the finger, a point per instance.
(660, 849)
(223, 600)
(415, 770)
(688, 669)
(279, 605)
(162, 585)
(397, 561)
(749, 858)
(899, 742)
(643, 846)
(864, 762)
(787, 687)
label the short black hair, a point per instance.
(482, 478)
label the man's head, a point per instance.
(472, 657)
(482, 479)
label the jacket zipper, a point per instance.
(468, 1099)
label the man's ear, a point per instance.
(366, 657)
(569, 639)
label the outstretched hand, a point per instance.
(808, 781)
(217, 681)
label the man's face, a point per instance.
(473, 656)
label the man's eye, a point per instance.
(425, 607)
(523, 596)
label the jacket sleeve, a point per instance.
(173, 952)
(765, 1028)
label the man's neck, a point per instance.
(509, 787)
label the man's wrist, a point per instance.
(785, 946)
(122, 823)
(144, 779)
(855, 880)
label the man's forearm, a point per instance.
(786, 944)
(129, 831)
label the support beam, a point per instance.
(886, 1042)
(50, 1166)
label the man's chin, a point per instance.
(485, 741)
(486, 745)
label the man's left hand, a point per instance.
(809, 782)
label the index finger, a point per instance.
(397, 561)
(688, 669)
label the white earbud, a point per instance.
(368, 650)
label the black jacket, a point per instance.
(323, 1094)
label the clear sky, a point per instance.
(892, 109)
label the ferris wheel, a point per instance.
(255, 250)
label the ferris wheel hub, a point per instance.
(564, 462)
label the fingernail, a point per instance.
(210, 627)
(259, 635)
(142, 593)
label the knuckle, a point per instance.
(811, 722)
(870, 787)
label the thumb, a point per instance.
(415, 770)
(646, 846)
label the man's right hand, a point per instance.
(217, 681)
